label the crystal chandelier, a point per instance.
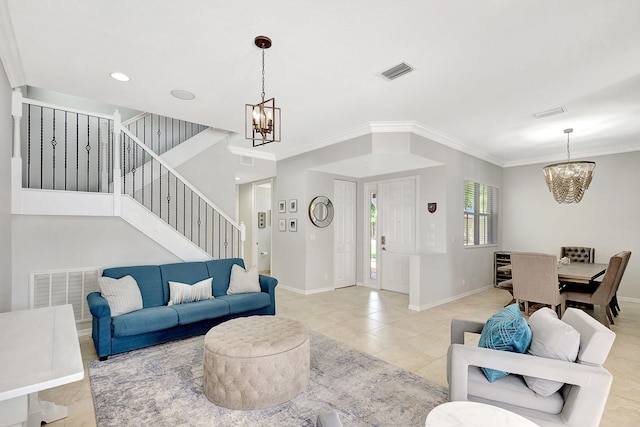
(569, 180)
(262, 120)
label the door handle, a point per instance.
(384, 249)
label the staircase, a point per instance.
(73, 162)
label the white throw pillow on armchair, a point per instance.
(553, 339)
(242, 281)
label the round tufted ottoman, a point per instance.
(255, 362)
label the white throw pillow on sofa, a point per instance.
(242, 281)
(553, 339)
(182, 293)
(123, 295)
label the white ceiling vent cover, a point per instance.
(246, 161)
(397, 71)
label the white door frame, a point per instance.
(255, 256)
(369, 187)
(366, 198)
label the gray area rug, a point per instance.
(162, 386)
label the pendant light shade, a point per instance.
(569, 180)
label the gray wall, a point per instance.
(43, 243)
(605, 218)
(5, 192)
(304, 260)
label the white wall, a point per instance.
(58, 242)
(605, 218)
(6, 142)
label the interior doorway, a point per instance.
(261, 226)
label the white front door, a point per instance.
(397, 232)
(344, 203)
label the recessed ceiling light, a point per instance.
(183, 94)
(120, 77)
(237, 178)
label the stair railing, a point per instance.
(161, 133)
(60, 148)
(157, 186)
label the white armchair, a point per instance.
(580, 402)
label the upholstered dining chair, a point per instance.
(613, 304)
(604, 292)
(578, 253)
(535, 279)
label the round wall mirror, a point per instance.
(321, 211)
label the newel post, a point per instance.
(117, 172)
(243, 237)
(16, 112)
(16, 158)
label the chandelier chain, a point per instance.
(568, 152)
(263, 73)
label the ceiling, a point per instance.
(482, 67)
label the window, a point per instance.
(480, 214)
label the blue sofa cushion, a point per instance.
(146, 320)
(240, 303)
(220, 271)
(183, 272)
(147, 277)
(201, 310)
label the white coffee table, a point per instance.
(474, 414)
(39, 349)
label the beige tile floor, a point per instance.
(379, 323)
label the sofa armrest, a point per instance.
(460, 326)
(593, 382)
(101, 323)
(98, 305)
(268, 284)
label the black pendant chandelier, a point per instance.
(262, 120)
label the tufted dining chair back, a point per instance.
(578, 253)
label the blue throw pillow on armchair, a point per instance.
(506, 330)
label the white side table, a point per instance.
(474, 414)
(39, 349)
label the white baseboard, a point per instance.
(305, 292)
(447, 300)
(627, 299)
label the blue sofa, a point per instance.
(156, 322)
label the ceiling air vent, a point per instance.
(551, 112)
(246, 161)
(397, 71)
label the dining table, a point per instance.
(575, 272)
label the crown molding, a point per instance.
(396, 127)
(9, 53)
(251, 152)
(583, 155)
(348, 134)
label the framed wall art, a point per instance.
(293, 205)
(282, 206)
(282, 224)
(293, 224)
